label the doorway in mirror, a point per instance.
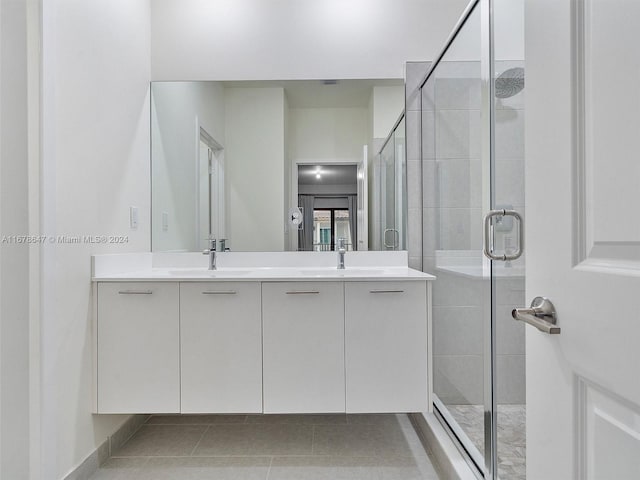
(328, 198)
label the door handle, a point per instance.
(396, 238)
(541, 314)
(488, 238)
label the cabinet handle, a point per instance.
(227, 292)
(386, 291)
(303, 292)
(135, 292)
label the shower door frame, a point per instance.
(487, 465)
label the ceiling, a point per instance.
(329, 174)
(318, 94)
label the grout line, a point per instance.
(180, 346)
(199, 440)
(261, 346)
(269, 469)
(287, 455)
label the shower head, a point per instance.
(510, 82)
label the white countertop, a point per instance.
(254, 266)
(266, 274)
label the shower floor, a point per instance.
(511, 435)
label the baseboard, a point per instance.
(104, 451)
(124, 433)
(448, 461)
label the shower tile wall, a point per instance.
(448, 116)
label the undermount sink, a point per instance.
(203, 272)
(346, 271)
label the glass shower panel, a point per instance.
(388, 195)
(401, 186)
(456, 192)
(393, 194)
(509, 277)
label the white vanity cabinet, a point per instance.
(303, 347)
(138, 353)
(221, 347)
(267, 343)
(386, 347)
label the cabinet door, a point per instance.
(138, 348)
(221, 347)
(303, 347)
(386, 347)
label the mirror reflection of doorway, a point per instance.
(328, 199)
(210, 207)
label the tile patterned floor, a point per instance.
(511, 435)
(271, 447)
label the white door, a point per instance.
(363, 202)
(583, 237)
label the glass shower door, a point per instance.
(509, 277)
(456, 193)
(472, 138)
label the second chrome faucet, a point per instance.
(341, 251)
(211, 251)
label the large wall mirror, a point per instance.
(277, 165)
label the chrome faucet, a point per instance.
(341, 252)
(211, 251)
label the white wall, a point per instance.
(15, 345)
(95, 165)
(178, 108)
(255, 162)
(294, 39)
(508, 28)
(387, 104)
(328, 134)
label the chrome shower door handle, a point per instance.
(396, 238)
(384, 237)
(488, 238)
